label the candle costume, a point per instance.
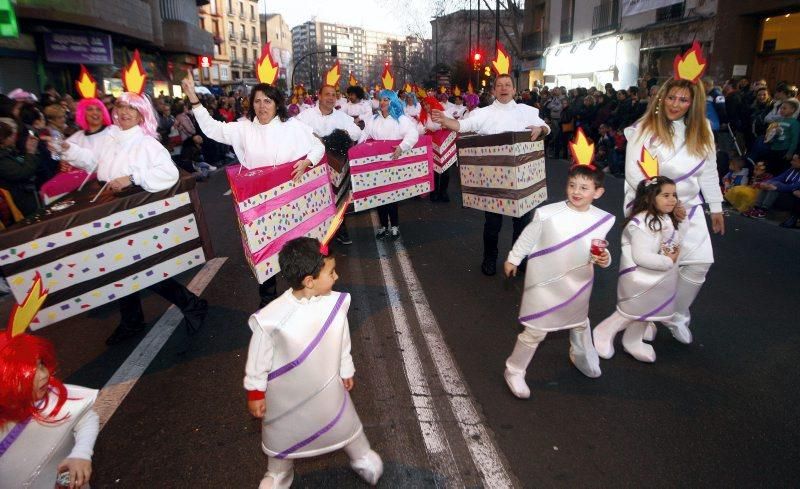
(36, 437)
(559, 276)
(689, 159)
(648, 279)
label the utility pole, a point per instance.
(497, 21)
(478, 47)
(469, 19)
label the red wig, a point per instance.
(80, 112)
(432, 104)
(19, 359)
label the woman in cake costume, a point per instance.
(47, 428)
(674, 130)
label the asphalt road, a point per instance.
(721, 412)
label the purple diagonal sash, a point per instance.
(691, 172)
(694, 209)
(12, 436)
(578, 236)
(658, 309)
(627, 270)
(300, 359)
(559, 306)
(322, 431)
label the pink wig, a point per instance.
(142, 104)
(80, 112)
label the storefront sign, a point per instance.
(78, 47)
(633, 7)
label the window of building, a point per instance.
(567, 18)
(202, 23)
(230, 7)
(215, 24)
(253, 33)
(244, 56)
(252, 12)
(231, 31)
(241, 9)
(233, 53)
(255, 54)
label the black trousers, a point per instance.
(441, 182)
(130, 306)
(387, 213)
(491, 232)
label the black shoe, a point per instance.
(382, 233)
(434, 197)
(124, 332)
(195, 315)
(343, 237)
(790, 222)
(489, 267)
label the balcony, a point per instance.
(606, 17)
(566, 30)
(232, 36)
(673, 12)
(533, 42)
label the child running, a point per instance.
(648, 277)
(560, 272)
(300, 352)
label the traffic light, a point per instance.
(476, 57)
(334, 51)
(487, 71)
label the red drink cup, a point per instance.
(598, 247)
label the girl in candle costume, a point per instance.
(38, 413)
(675, 131)
(648, 275)
(560, 272)
(300, 354)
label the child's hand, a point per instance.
(673, 255)
(796, 193)
(80, 471)
(768, 186)
(510, 269)
(680, 212)
(257, 408)
(604, 259)
(348, 384)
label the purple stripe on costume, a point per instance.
(684, 177)
(636, 220)
(627, 270)
(557, 307)
(570, 240)
(629, 204)
(297, 361)
(12, 436)
(694, 209)
(322, 431)
(658, 309)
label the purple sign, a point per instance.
(78, 47)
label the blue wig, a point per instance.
(396, 107)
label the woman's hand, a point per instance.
(602, 260)
(299, 168)
(65, 167)
(348, 384)
(398, 151)
(718, 223)
(188, 87)
(80, 471)
(120, 183)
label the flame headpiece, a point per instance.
(387, 78)
(502, 63)
(333, 75)
(582, 150)
(690, 65)
(87, 89)
(266, 67)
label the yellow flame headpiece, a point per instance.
(266, 67)
(690, 65)
(134, 76)
(86, 85)
(582, 150)
(502, 64)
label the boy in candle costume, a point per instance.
(300, 352)
(560, 272)
(38, 413)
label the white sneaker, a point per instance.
(369, 467)
(277, 481)
(516, 382)
(394, 233)
(679, 327)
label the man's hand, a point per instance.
(257, 408)
(120, 183)
(718, 223)
(299, 168)
(80, 471)
(188, 87)
(348, 384)
(398, 151)
(536, 132)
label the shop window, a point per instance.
(780, 33)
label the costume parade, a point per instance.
(330, 357)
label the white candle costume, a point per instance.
(322, 125)
(502, 117)
(36, 449)
(361, 109)
(387, 128)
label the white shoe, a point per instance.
(679, 327)
(369, 467)
(394, 233)
(650, 331)
(582, 353)
(605, 332)
(632, 342)
(277, 481)
(516, 382)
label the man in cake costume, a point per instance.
(38, 413)
(558, 244)
(503, 115)
(674, 130)
(299, 357)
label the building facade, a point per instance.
(57, 36)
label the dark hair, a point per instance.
(29, 114)
(358, 91)
(645, 201)
(5, 131)
(273, 94)
(6, 105)
(300, 258)
(593, 173)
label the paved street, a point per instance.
(430, 336)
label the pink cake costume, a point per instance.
(298, 356)
(697, 184)
(558, 284)
(35, 438)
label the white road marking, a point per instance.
(485, 454)
(120, 384)
(433, 435)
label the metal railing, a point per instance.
(673, 12)
(606, 17)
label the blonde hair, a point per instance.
(699, 139)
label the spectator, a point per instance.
(715, 106)
(568, 120)
(604, 156)
(783, 135)
(760, 108)
(191, 157)
(585, 115)
(736, 109)
(784, 184)
(737, 175)
(791, 221)
(17, 170)
(782, 92)
(743, 197)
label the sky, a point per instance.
(380, 15)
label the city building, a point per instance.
(57, 36)
(275, 31)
